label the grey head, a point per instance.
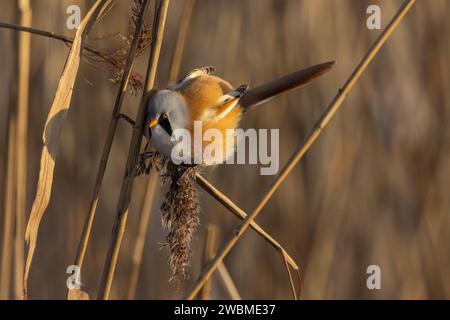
(166, 112)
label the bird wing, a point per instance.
(225, 105)
(193, 74)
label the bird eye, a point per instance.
(163, 116)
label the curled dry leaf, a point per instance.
(52, 129)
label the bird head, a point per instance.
(166, 112)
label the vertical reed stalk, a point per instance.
(228, 282)
(138, 249)
(151, 183)
(225, 277)
(22, 129)
(323, 121)
(186, 18)
(82, 246)
(8, 221)
(133, 153)
(208, 253)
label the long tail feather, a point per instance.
(268, 90)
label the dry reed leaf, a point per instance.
(52, 129)
(76, 294)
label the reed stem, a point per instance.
(208, 253)
(144, 220)
(84, 240)
(22, 130)
(181, 40)
(133, 153)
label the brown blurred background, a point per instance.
(374, 189)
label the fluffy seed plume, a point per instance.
(112, 60)
(180, 209)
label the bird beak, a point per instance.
(153, 123)
(147, 131)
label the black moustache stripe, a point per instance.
(165, 124)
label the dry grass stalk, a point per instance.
(228, 282)
(208, 254)
(8, 218)
(186, 17)
(225, 277)
(138, 249)
(53, 125)
(22, 129)
(133, 153)
(334, 106)
(137, 25)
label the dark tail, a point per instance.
(270, 89)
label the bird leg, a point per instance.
(142, 166)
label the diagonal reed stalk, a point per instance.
(81, 251)
(323, 121)
(21, 156)
(238, 212)
(133, 153)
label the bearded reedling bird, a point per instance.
(200, 96)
